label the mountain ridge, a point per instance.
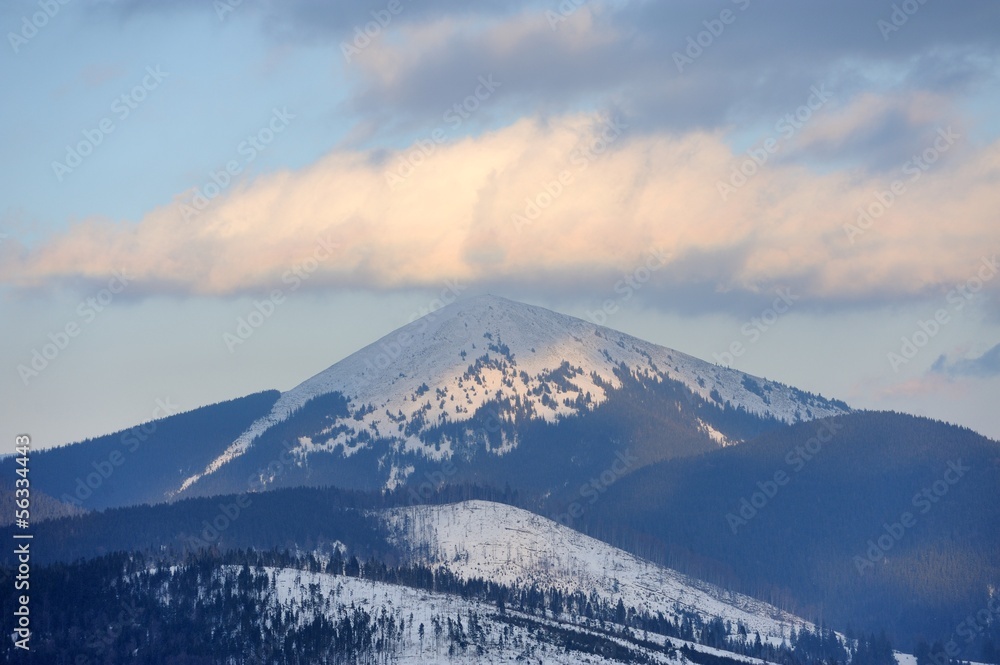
(489, 349)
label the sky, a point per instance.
(205, 199)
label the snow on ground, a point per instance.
(421, 370)
(294, 588)
(514, 546)
(715, 434)
(297, 590)
(500, 636)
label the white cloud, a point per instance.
(454, 217)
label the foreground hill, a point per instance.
(508, 545)
(277, 609)
(404, 584)
(468, 540)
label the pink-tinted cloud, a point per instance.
(563, 199)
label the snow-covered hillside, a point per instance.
(419, 626)
(512, 546)
(492, 637)
(443, 367)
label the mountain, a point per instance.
(718, 508)
(486, 388)
(802, 542)
(876, 520)
(43, 506)
(142, 464)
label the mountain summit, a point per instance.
(482, 377)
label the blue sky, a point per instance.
(843, 155)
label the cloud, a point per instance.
(412, 79)
(566, 203)
(623, 53)
(986, 365)
(759, 65)
(878, 132)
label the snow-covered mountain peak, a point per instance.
(438, 349)
(444, 367)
